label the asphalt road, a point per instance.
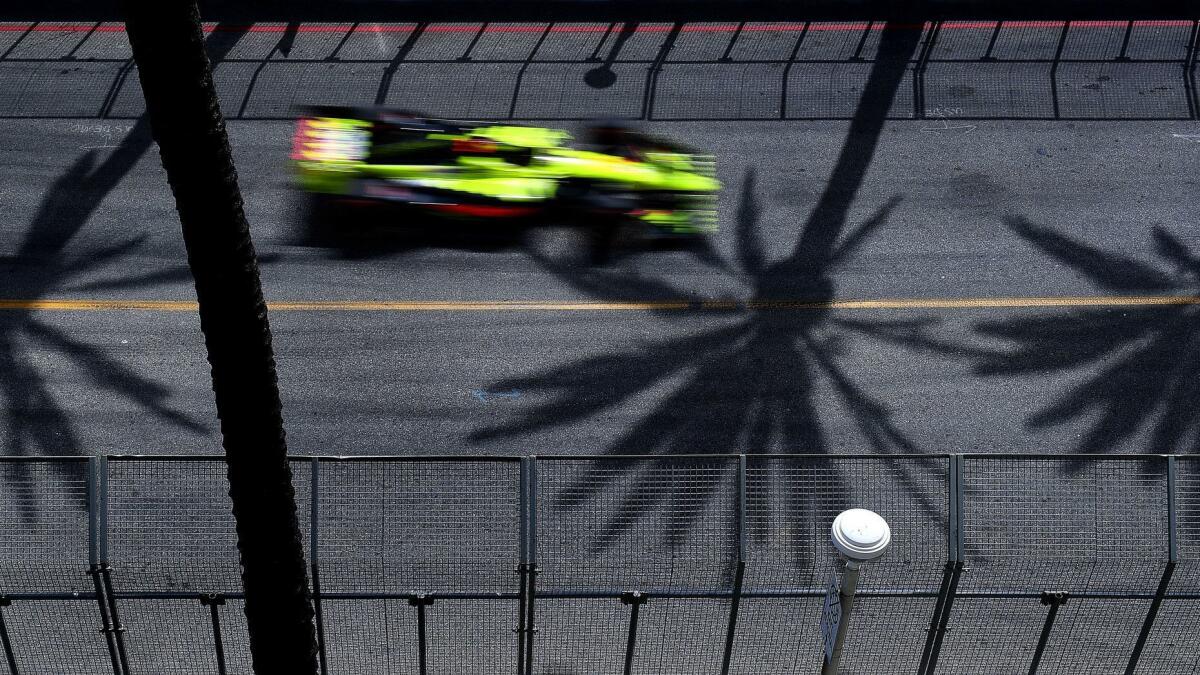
(950, 209)
(1026, 264)
(936, 208)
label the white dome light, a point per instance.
(860, 535)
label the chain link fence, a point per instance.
(658, 564)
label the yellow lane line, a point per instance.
(571, 306)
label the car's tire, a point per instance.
(319, 218)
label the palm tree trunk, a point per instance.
(186, 122)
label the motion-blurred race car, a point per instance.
(482, 170)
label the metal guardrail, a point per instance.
(649, 564)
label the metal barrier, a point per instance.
(648, 564)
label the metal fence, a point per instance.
(662, 564)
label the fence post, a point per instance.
(1055, 600)
(740, 572)
(98, 552)
(314, 511)
(93, 505)
(1165, 581)
(522, 559)
(528, 566)
(212, 600)
(106, 569)
(421, 602)
(953, 569)
(118, 629)
(8, 650)
(635, 599)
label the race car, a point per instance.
(491, 170)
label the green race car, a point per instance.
(485, 170)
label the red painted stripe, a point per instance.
(74, 27)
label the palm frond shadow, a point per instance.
(36, 424)
(748, 384)
(1147, 359)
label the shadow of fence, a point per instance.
(984, 70)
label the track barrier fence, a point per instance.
(601, 564)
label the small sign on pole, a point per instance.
(831, 616)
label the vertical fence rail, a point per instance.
(97, 502)
(635, 600)
(1054, 601)
(529, 519)
(93, 507)
(104, 570)
(953, 570)
(314, 559)
(740, 571)
(213, 601)
(421, 602)
(117, 628)
(522, 561)
(1165, 581)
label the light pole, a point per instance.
(859, 536)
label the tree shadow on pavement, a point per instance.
(35, 422)
(1147, 358)
(750, 383)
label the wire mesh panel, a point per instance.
(57, 637)
(419, 527)
(235, 636)
(1064, 524)
(777, 635)
(886, 634)
(580, 635)
(43, 526)
(471, 636)
(171, 527)
(792, 501)
(991, 636)
(681, 635)
(637, 523)
(370, 636)
(1093, 636)
(168, 637)
(1186, 578)
(660, 525)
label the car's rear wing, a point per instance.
(331, 139)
